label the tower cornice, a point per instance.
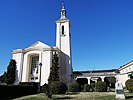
(62, 20)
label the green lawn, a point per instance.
(78, 96)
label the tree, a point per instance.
(11, 72)
(3, 78)
(54, 70)
(54, 74)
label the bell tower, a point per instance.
(63, 42)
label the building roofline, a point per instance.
(125, 65)
(97, 71)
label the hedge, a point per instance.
(129, 85)
(18, 90)
(35, 85)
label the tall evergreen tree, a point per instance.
(11, 72)
(54, 70)
(54, 74)
(3, 78)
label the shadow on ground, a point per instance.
(65, 97)
(9, 98)
(72, 93)
(129, 97)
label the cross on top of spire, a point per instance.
(63, 11)
(63, 6)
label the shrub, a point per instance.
(92, 87)
(48, 91)
(129, 85)
(58, 87)
(87, 88)
(44, 88)
(99, 79)
(74, 87)
(101, 86)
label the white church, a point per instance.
(34, 62)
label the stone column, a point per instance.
(102, 77)
(88, 79)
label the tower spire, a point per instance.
(63, 11)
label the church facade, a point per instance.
(34, 62)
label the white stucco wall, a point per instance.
(123, 78)
(58, 35)
(46, 64)
(18, 57)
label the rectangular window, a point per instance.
(34, 64)
(62, 29)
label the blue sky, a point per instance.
(102, 30)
